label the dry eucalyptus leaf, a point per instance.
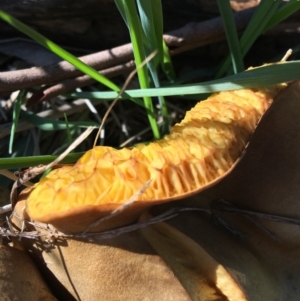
(201, 275)
(119, 269)
(267, 181)
(20, 279)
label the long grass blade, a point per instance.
(167, 64)
(69, 136)
(259, 77)
(263, 14)
(231, 35)
(136, 35)
(283, 12)
(16, 113)
(23, 162)
(152, 25)
(47, 124)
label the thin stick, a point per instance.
(10, 175)
(287, 55)
(121, 208)
(218, 207)
(77, 82)
(5, 208)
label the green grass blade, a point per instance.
(258, 77)
(23, 162)
(15, 118)
(152, 25)
(121, 8)
(285, 11)
(261, 17)
(231, 35)
(162, 102)
(256, 26)
(47, 124)
(136, 36)
(69, 136)
(167, 64)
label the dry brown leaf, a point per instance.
(266, 181)
(20, 279)
(120, 269)
(201, 275)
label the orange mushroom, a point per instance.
(196, 154)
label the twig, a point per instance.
(121, 208)
(217, 207)
(205, 32)
(92, 236)
(8, 174)
(8, 233)
(287, 55)
(78, 82)
(26, 78)
(5, 208)
(227, 207)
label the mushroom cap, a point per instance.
(196, 154)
